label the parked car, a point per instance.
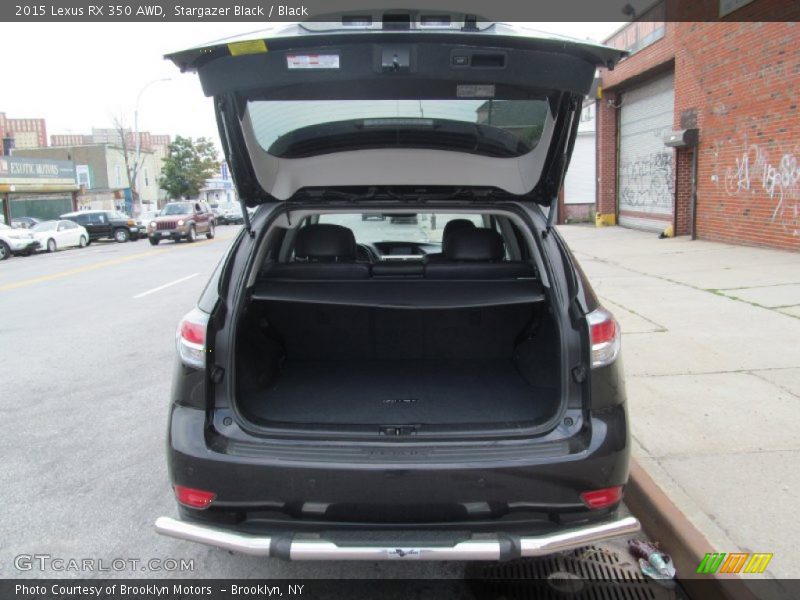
(53, 235)
(144, 219)
(230, 213)
(24, 222)
(182, 221)
(342, 397)
(106, 224)
(16, 242)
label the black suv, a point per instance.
(445, 389)
(106, 224)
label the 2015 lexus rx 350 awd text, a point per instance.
(441, 384)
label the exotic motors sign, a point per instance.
(13, 169)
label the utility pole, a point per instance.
(137, 141)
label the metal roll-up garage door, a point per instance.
(646, 166)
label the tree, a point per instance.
(187, 166)
(132, 166)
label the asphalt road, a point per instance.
(86, 351)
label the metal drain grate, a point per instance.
(590, 573)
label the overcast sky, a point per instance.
(80, 75)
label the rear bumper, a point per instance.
(168, 234)
(391, 546)
(266, 486)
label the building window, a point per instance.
(118, 174)
(146, 178)
(82, 173)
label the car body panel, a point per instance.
(65, 233)
(271, 484)
(178, 224)
(102, 224)
(400, 486)
(325, 482)
(16, 241)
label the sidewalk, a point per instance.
(711, 345)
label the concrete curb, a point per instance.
(678, 537)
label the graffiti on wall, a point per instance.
(754, 172)
(647, 183)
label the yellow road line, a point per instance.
(101, 265)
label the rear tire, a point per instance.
(51, 245)
(83, 242)
(192, 236)
(5, 251)
(210, 234)
(154, 241)
(121, 235)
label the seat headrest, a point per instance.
(325, 242)
(451, 227)
(478, 244)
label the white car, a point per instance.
(53, 235)
(144, 218)
(15, 241)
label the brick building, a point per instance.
(70, 139)
(25, 133)
(738, 84)
(100, 170)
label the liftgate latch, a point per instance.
(397, 430)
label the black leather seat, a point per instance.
(322, 251)
(449, 229)
(476, 254)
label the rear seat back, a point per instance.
(321, 251)
(449, 229)
(328, 252)
(476, 254)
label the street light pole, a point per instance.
(137, 142)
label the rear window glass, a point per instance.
(501, 128)
(46, 226)
(424, 228)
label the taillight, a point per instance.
(194, 498)
(602, 498)
(605, 334)
(191, 339)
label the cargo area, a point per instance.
(373, 367)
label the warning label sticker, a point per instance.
(312, 61)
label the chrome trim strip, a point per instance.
(213, 536)
(481, 547)
(324, 550)
(575, 538)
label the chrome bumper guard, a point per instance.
(478, 547)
